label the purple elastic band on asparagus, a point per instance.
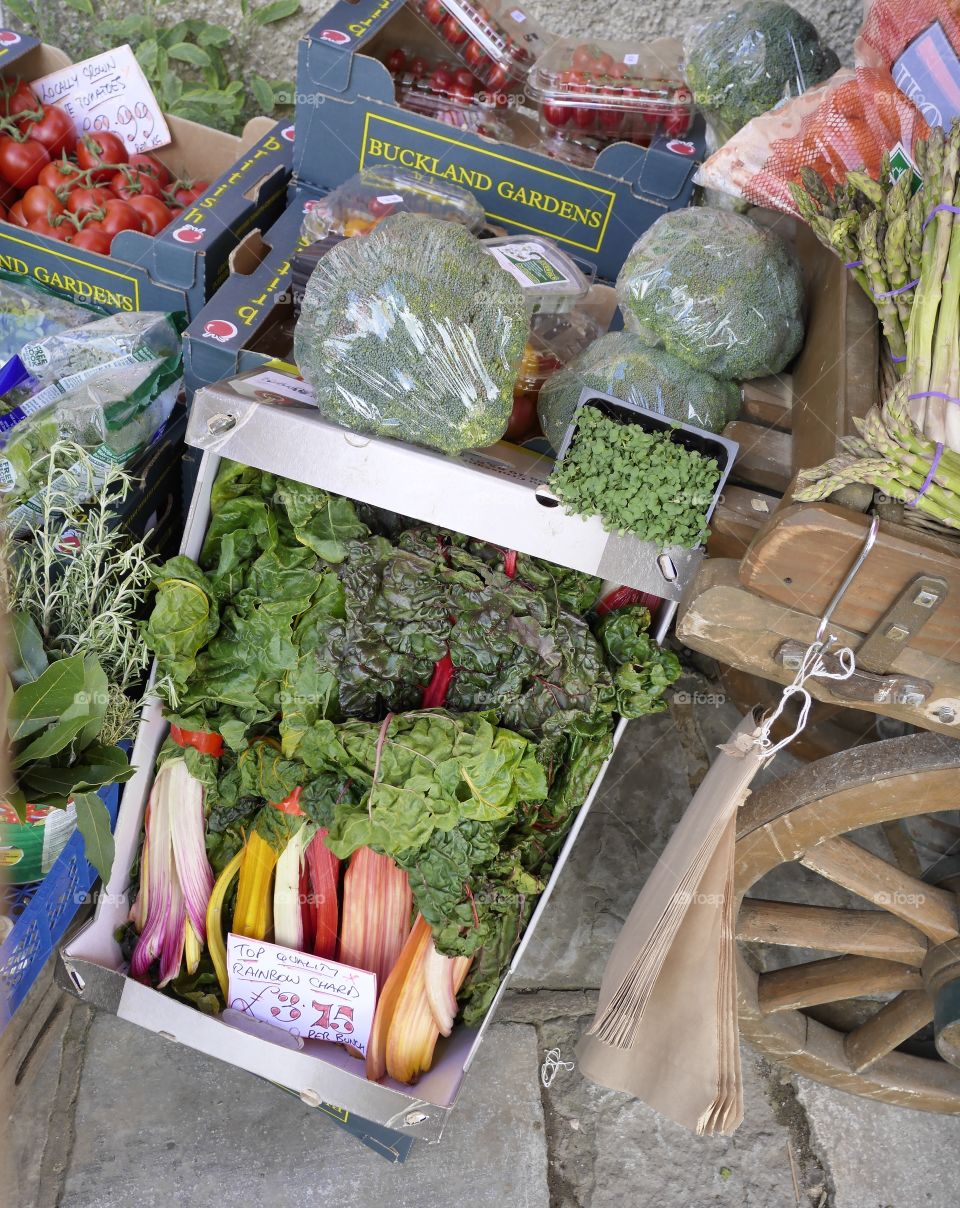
(942, 208)
(897, 360)
(947, 398)
(854, 264)
(929, 478)
(892, 293)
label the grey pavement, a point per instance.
(104, 1115)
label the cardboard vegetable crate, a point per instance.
(92, 964)
(43, 912)
(775, 563)
(185, 264)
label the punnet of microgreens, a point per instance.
(82, 578)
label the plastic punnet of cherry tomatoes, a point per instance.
(131, 182)
(21, 160)
(100, 154)
(51, 126)
(154, 212)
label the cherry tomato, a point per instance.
(557, 115)
(396, 61)
(617, 72)
(54, 130)
(59, 231)
(121, 216)
(154, 212)
(602, 63)
(91, 239)
(454, 32)
(16, 215)
(441, 80)
(144, 162)
(434, 12)
(40, 202)
(85, 200)
(496, 77)
(418, 67)
(572, 81)
(461, 92)
(464, 77)
(61, 176)
(476, 56)
(22, 163)
(100, 154)
(583, 58)
(610, 120)
(128, 182)
(380, 208)
(17, 97)
(583, 117)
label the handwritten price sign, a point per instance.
(310, 997)
(108, 92)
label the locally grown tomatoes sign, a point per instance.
(108, 92)
(308, 996)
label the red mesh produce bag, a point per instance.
(903, 36)
(847, 123)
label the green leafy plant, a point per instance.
(197, 69)
(636, 481)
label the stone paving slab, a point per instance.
(881, 1156)
(158, 1124)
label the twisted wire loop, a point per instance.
(552, 1065)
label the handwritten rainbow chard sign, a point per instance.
(308, 996)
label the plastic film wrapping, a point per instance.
(716, 290)
(413, 332)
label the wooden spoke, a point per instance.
(829, 980)
(901, 845)
(932, 911)
(828, 929)
(892, 1025)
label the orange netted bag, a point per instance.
(918, 42)
(847, 123)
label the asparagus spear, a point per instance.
(870, 244)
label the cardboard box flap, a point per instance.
(350, 24)
(16, 46)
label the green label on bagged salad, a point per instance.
(527, 263)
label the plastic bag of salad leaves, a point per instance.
(413, 332)
(29, 314)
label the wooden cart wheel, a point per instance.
(902, 948)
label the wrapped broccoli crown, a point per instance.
(623, 364)
(413, 332)
(749, 59)
(717, 290)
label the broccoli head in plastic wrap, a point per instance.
(414, 332)
(749, 59)
(623, 364)
(717, 290)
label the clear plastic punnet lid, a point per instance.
(552, 282)
(643, 76)
(498, 41)
(363, 200)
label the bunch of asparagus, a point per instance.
(893, 455)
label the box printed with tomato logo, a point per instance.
(100, 222)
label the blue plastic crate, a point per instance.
(43, 912)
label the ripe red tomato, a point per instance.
(617, 72)
(396, 61)
(496, 77)
(557, 115)
(40, 202)
(434, 11)
(584, 117)
(21, 163)
(60, 175)
(418, 67)
(100, 154)
(454, 32)
(464, 77)
(143, 161)
(154, 212)
(91, 239)
(187, 192)
(16, 215)
(441, 80)
(461, 92)
(59, 231)
(602, 63)
(121, 216)
(85, 200)
(54, 130)
(128, 182)
(583, 58)
(17, 97)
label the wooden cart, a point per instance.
(755, 606)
